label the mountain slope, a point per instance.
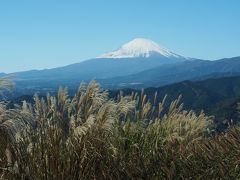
(96, 68)
(171, 73)
(50, 80)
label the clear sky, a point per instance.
(51, 33)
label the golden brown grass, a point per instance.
(91, 136)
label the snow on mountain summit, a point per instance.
(140, 48)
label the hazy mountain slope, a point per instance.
(167, 74)
(96, 68)
(155, 77)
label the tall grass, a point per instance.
(91, 136)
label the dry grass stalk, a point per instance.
(91, 136)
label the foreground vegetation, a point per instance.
(91, 136)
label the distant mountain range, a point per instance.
(137, 64)
(176, 72)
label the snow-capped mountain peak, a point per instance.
(140, 48)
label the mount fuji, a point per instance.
(140, 47)
(136, 56)
(138, 63)
(133, 57)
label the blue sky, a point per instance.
(51, 33)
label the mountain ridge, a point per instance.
(172, 73)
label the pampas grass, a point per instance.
(91, 136)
